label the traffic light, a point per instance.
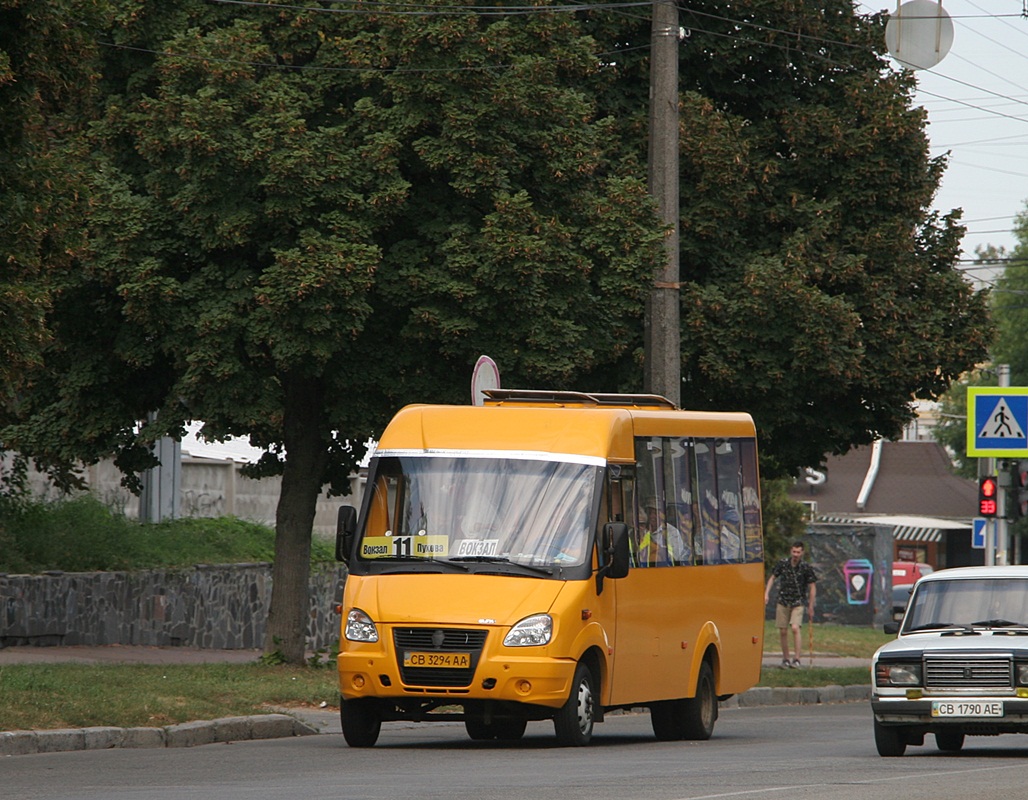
(988, 494)
(1017, 498)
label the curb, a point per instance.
(795, 696)
(186, 734)
(277, 726)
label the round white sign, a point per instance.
(919, 34)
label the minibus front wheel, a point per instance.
(700, 712)
(573, 722)
(361, 721)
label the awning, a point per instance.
(905, 528)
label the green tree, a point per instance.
(951, 430)
(819, 290)
(302, 220)
(784, 520)
(1008, 272)
(1010, 303)
(47, 64)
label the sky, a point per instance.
(977, 103)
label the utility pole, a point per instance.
(662, 367)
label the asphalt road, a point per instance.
(788, 752)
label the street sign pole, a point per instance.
(1003, 379)
(997, 428)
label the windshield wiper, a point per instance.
(421, 562)
(503, 560)
(949, 627)
(1000, 623)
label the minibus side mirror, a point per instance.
(615, 545)
(346, 529)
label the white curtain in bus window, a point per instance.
(679, 500)
(752, 532)
(649, 546)
(730, 497)
(706, 486)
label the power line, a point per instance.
(365, 8)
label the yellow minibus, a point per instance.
(552, 555)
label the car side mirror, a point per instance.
(616, 552)
(346, 529)
(891, 628)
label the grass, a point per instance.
(38, 696)
(130, 695)
(815, 676)
(841, 640)
(81, 534)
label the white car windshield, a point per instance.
(993, 602)
(466, 508)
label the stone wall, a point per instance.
(216, 607)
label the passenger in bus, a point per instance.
(662, 544)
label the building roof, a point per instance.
(913, 479)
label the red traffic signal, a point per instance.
(988, 489)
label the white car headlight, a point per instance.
(897, 674)
(530, 632)
(359, 627)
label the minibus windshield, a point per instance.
(530, 511)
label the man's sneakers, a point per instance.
(794, 664)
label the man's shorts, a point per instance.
(788, 617)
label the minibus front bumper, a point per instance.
(522, 675)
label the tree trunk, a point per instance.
(302, 475)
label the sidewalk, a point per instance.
(300, 721)
(123, 654)
(774, 661)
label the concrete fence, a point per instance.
(216, 607)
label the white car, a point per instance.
(959, 666)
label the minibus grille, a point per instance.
(441, 641)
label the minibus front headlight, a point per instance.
(530, 632)
(359, 627)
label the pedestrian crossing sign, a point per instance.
(997, 421)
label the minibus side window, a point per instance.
(706, 487)
(680, 504)
(648, 456)
(663, 513)
(730, 500)
(752, 535)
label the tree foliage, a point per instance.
(1010, 314)
(819, 291)
(302, 220)
(46, 79)
(1010, 304)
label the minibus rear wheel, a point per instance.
(361, 722)
(573, 722)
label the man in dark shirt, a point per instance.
(797, 584)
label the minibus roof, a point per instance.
(555, 422)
